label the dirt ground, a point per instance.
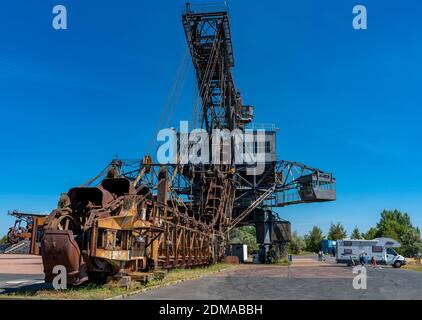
(302, 268)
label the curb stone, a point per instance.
(122, 296)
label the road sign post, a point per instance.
(290, 259)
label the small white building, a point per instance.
(239, 250)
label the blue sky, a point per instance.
(345, 101)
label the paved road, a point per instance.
(309, 279)
(11, 282)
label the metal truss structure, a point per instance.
(136, 216)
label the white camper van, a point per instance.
(380, 248)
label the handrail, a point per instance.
(17, 246)
(192, 8)
(262, 126)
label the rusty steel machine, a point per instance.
(139, 216)
(28, 227)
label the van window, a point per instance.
(347, 243)
(391, 251)
(347, 251)
(267, 146)
(377, 249)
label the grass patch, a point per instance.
(412, 265)
(187, 274)
(281, 262)
(416, 267)
(88, 292)
(94, 292)
(303, 253)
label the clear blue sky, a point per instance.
(346, 101)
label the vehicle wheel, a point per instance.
(397, 264)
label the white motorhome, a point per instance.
(380, 248)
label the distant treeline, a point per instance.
(393, 224)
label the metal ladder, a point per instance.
(252, 207)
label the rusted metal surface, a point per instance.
(59, 248)
(118, 229)
(27, 227)
(231, 259)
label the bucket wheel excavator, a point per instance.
(135, 217)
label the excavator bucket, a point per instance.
(59, 248)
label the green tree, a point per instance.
(393, 224)
(356, 234)
(337, 232)
(313, 239)
(297, 244)
(3, 240)
(411, 243)
(397, 225)
(370, 234)
(245, 235)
